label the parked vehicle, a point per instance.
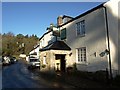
(5, 60)
(12, 60)
(33, 63)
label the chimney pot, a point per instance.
(59, 20)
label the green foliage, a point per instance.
(15, 45)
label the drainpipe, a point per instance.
(107, 31)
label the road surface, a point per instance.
(18, 76)
(0, 73)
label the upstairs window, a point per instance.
(80, 28)
(63, 34)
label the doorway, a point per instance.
(60, 62)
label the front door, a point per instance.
(60, 62)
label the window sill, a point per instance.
(82, 63)
(81, 35)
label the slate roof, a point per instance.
(58, 45)
(35, 53)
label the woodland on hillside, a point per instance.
(17, 44)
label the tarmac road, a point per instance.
(0, 73)
(18, 76)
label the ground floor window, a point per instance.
(81, 55)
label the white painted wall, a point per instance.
(119, 36)
(32, 51)
(35, 50)
(46, 39)
(94, 41)
(112, 14)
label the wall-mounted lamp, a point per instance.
(70, 54)
(106, 52)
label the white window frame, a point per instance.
(44, 60)
(80, 28)
(81, 57)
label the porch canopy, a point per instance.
(58, 45)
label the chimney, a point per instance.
(59, 21)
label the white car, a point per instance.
(33, 63)
(6, 60)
